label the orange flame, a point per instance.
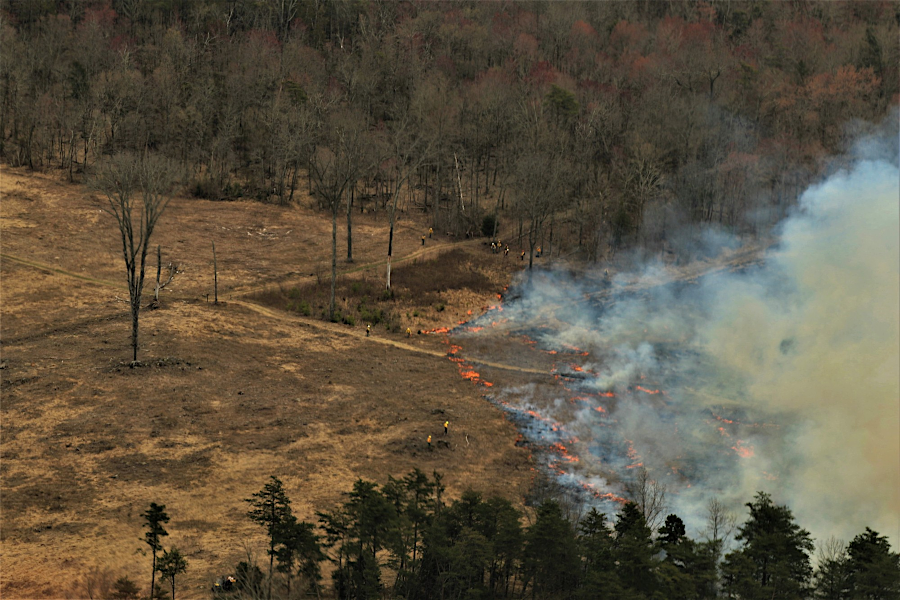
(645, 390)
(602, 495)
(438, 330)
(743, 451)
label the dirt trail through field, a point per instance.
(58, 271)
(285, 317)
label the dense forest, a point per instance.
(588, 126)
(582, 126)
(403, 541)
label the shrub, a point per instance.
(125, 589)
(233, 190)
(488, 224)
(207, 189)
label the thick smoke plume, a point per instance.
(779, 374)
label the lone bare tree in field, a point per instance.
(333, 168)
(137, 188)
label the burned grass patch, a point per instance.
(140, 468)
(362, 298)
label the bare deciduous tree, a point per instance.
(333, 168)
(172, 269)
(650, 496)
(720, 525)
(407, 150)
(137, 189)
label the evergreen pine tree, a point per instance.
(270, 507)
(874, 570)
(154, 517)
(774, 561)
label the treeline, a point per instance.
(587, 124)
(402, 540)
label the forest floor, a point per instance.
(227, 394)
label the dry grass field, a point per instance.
(228, 394)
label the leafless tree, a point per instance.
(832, 572)
(650, 496)
(832, 549)
(542, 172)
(172, 270)
(333, 169)
(720, 524)
(215, 276)
(138, 189)
(406, 150)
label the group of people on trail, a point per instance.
(446, 432)
(537, 253)
(497, 246)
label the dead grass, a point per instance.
(227, 395)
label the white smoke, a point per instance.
(816, 336)
(783, 377)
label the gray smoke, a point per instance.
(781, 376)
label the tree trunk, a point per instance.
(215, 276)
(153, 576)
(437, 197)
(350, 224)
(293, 185)
(391, 233)
(334, 211)
(531, 242)
(550, 243)
(158, 272)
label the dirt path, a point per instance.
(59, 271)
(343, 330)
(334, 328)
